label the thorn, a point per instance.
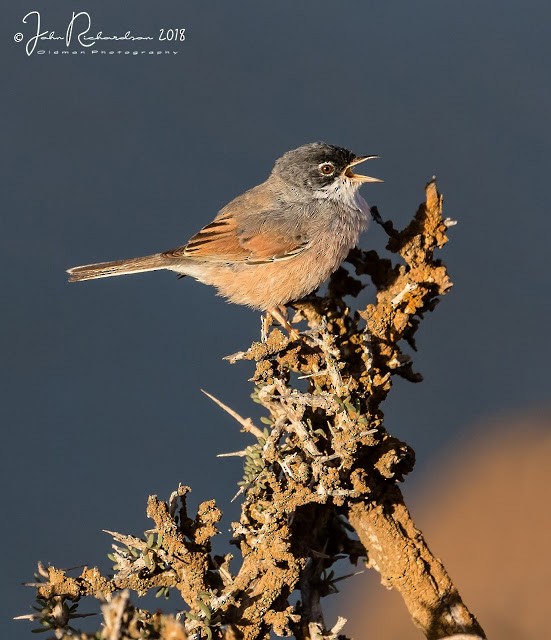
(246, 423)
(241, 490)
(239, 454)
(244, 488)
(313, 375)
(234, 357)
(348, 575)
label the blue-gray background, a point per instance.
(115, 156)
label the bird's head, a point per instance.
(318, 166)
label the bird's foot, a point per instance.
(280, 314)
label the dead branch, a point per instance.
(323, 471)
(398, 551)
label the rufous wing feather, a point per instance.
(224, 241)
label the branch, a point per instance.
(398, 551)
(323, 471)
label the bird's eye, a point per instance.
(327, 168)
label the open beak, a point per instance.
(356, 176)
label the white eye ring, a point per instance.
(326, 168)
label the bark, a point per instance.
(398, 551)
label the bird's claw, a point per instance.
(280, 315)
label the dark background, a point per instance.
(115, 156)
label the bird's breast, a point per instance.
(332, 229)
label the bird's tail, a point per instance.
(116, 268)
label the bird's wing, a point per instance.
(248, 230)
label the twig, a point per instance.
(246, 423)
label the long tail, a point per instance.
(117, 268)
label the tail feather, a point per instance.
(116, 268)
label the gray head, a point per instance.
(317, 165)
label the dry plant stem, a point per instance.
(325, 464)
(398, 551)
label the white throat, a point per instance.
(345, 192)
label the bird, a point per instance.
(275, 243)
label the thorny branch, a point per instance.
(320, 480)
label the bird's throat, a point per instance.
(344, 192)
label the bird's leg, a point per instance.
(280, 314)
(284, 313)
(265, 324)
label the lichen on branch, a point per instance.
(320, 480)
